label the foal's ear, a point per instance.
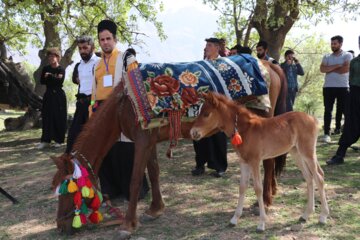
(210, 97)
(60, 161)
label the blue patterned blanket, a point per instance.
(160, 87)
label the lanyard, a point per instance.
(106, 64)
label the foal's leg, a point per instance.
(244, 182)
(307, 174)
(157, 205)
(269, 181)
(255, 167)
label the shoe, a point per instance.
(336, 131)
(42, 145)
(57, 145)
(326, 138)
(198, 171)
(218, 174)
(335, 160)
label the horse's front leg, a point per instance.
(157, 205)
(255, 167)
(244, 182)
(142, 155)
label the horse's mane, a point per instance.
(101, 131)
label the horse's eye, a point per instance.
(206, 114)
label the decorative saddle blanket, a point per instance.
(157, 88)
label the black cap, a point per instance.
(213, 40)
(107, 25)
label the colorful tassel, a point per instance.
(85, 191)
(77, 220)
(94, 217)
(91, 193)
(84, 209)
(72, 187)
(88, 183)
(57, 190)
(81, 182)
(99, 195)
(63, 187)
(83, 219)
(77, 171)
(236, 139)
(77, 199)
(95, 204)
(100, 216)
(84, 172)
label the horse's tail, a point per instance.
(280, 108)
(280, 163)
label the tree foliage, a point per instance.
(57, 23)
(274, 19)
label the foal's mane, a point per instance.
(100, 132)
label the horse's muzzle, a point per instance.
(195, 134)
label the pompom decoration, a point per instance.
(84, 209)
(77, 171)
(76, 221)
(83, 218)
(63, 187)
(85, 191)
(72, 187)
(99, 195)
(57, 190)
(100, 216)
(94, 217)
(88, 183)
(84, 172)
(91, 193)
(95, 203)
(81, 182)
(77, 199)
(236, 139)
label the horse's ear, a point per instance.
(210, 97)
(60, 161)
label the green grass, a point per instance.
(196, 207)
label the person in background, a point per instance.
(116, 169)
(292, 68)
(352, 53)
(83, 76)
(336, 85)
(224, 51)
(54, 108)
(211, 150)
(351, 132)
(262, 52)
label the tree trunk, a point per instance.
(3, 51)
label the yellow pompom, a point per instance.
(72, 187)
(91, 193)
(100, 217)
(85, 191)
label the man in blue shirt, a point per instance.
(292, 68)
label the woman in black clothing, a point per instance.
(54, 110)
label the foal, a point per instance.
(263, 138)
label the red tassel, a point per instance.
(77, 199)
(83, 218)
(94, 217)
(236, 139)
(88, 183)
(81, 182)
(84, 172)
(95, 204)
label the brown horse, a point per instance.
(116, 115)
(293, 132)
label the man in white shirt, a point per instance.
(336, 86)
(83, 75)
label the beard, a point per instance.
(335, 49)
(260, 55)
(86, 57)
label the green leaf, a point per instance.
(203, 89)
(147, 86)
(168, 71)
(151, 74)
(197, 74)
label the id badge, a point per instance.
(108, 81)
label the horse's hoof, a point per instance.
(147, 218)
(259, 230)
(123, 235)
(302, 220)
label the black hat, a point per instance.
(213, 40)
(107, 25)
